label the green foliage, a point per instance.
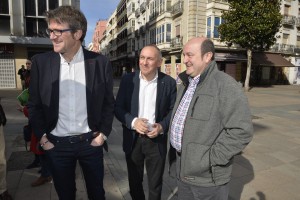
(251, 23)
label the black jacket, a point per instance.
(2, 116)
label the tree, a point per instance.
(252, 24)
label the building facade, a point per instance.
(98, 35)
(23, 34)
(171, 23)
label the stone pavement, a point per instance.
(268, 169)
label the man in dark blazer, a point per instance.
(71, 104)
(143, 105)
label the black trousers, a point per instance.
(145, 151)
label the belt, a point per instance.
(74, 138)
(143, 136)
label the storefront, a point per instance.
(269, 69)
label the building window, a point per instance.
(168, 33)
(216, 26)
(213, 23)
(285, 38)
(177, 30)
(287, 9)
(35, 16)
(4, 7)
(208, 28)
(298, 41)
(152, 36)
(4, 18)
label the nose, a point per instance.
(185, 59)
(52, 35)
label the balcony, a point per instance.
(297, 22)
(143, 7)
(176, 42)
(177, 8)
(288, 20)
(284, 48)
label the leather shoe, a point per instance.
(41, 181)
(5, 196)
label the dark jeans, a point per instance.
(44, 167)
(145, 150)
(62, 161)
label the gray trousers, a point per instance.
(190, 192)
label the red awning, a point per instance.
(270, 60)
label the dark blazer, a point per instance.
(44, 92)
(127, 105)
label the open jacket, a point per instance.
(43, 102)
(217, 127)
(127, 108)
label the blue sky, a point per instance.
(95, 10)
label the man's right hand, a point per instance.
(45, 143)
(141, 126)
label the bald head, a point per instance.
(204, 44)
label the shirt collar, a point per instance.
(153, 80)
(77, 57)
(194, 80)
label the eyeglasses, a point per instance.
(28, 63)
(57, 32)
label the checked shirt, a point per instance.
(178, 122)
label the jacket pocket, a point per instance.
(222, 172)
(202, 107)
(197, 161)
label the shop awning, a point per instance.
(270, 60)
(230, 57)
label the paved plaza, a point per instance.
(268, 169)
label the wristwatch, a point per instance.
(103, 136)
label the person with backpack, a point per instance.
(4, 195)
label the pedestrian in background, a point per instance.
(71, 104)
(211, 123)
(21, 73)
(4, 195)
(27, 73)
(143, 105)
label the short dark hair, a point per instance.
(71, 16)
(208, 46)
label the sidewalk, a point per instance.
(268, 169)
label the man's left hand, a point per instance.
(97, 141)
(157, 130)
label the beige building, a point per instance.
(171, 23)
(23, 34)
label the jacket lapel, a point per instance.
(159, 93)
(55, 79)
(135, 96)
(90, 65)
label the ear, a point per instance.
(208, 56)
(78, 34)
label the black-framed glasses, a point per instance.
(57, 32)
